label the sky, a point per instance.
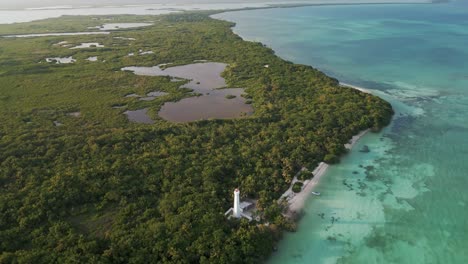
(21, 4)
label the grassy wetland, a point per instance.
(82, 183)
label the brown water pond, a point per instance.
(214, 105)
(205, 78)
(139, 116)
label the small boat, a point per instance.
(316, 193)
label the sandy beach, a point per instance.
(296, 201)
(355, 87)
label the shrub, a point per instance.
(297, 187)
(305, 175)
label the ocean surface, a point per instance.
(404, 202)
(19, 11)
(47, 4)
(407, 200)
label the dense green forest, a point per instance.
(101, 189)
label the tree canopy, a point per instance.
(100, 189)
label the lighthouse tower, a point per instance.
(237, 210)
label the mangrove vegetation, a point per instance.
(80, 183)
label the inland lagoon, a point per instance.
(213, 100)
(117, 26)
(88, 45)
(203, 76)
(56, 34)
(139, 116)
(217, 104)
(404, 200)
(59, 60)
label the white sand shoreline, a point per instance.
(364, 90)
(296, 201)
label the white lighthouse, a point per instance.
(237, 209)
(240, 209)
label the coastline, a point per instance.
(187, 5)
(338, 3)
(364, 90)
(296, 201)
(29, 14)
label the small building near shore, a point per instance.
(240, 209)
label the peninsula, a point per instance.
(82, 182)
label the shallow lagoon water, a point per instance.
(57, 34)
(205, 78)
(139, 116)
(131, 95)
(88, 45)
(17, 16)
(215, 105)
(405, 201)
(156, 94)
(75, 114)
(41, 10)
(58, 60)
(141, 52)
(117, 26)
(124, 38)
(153, 95)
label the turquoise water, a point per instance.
(407, 200)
